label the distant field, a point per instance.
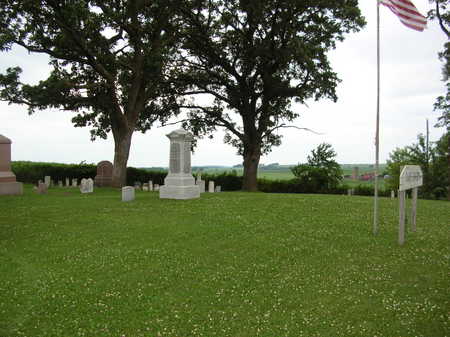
(285, 173)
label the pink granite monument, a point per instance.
(8, 183)
(104, 174)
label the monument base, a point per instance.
(179, 192)
(101, 181)
(11, 188)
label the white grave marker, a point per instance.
(128, 193)
(211, 186)
(83, 186)
(90, 185)
(47, 180)
(200, 183)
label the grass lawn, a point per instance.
(228, 264)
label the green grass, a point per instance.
(228, 264)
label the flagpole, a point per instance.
(377, 128)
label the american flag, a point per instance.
(407, 13)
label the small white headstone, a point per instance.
(211, 186)
(392, 194)
(218, 189)
(67, 182)
(60, 183)
(47, 181)
(200, 183)
(128, 193)
(145, 187)
(74, 182)
(156, 187)
(90, 185)
(83, 186)
(150, 185)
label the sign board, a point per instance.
(410, 177)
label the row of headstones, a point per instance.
(145, 186)
(50, 183)
(202, 185)
(351, 191)
(86, 185)
(128, 192)
(155, 187)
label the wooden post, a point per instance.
(377, 129)
(414, 209)
(401, 224)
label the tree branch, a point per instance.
(441, 23)
(294, 127)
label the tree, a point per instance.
(321, 172)
(109, 63)
(432, 161)
(253, 58)
(442, 14)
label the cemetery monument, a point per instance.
(179, 183)
(8, 183)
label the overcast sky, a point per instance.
(410, 82)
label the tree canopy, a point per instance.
(321, 172)
(433, 161)
(253, 58)
(441, 13)
(109, 63)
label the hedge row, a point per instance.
(293, 186)
(31, 172)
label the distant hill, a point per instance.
(347, 168)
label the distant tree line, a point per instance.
(433, 161)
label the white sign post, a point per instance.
(410, 178)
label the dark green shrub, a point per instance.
(144, 176)
(322, 173)
(229, 181)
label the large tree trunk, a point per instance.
(448, 163)
(122, 143)
(252, 154)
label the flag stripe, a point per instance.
(401, 7)
(407, 13)
(413, 15)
